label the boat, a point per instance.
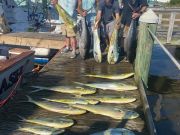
(12, 68)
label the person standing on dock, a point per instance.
(130, 9)
(107, 15)
(87, 8)
(70, 7)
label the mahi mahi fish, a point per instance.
(57, 107)
(112, 99)
(54, 122)
(113, 77)
(68, 20)
(115, 131)
(113, 53)
(41, 130)
(115, 113)
(69, 90)
(74, 101)
(97, 46)
(84, 37)
(109, 86)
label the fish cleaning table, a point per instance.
(62, 70)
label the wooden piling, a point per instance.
(144, 49)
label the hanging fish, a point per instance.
(84, 37)
(68, 20)
(97, 46)
(130, 42)
(113, 53)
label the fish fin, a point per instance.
(36, 90)
(29, 99)
(65, 116)
(78, 96)
(22, 118)
(58, 131)
(79, 83)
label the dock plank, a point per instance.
(63, 71)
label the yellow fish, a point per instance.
(41, 130)
(113, 77)
(57, 107)
(54, 122)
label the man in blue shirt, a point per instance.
(70, 7)
(108, 14)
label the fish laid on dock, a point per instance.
(73, 101)
(41, 130)
(115, 131)
(113, 77)
(97, 46)
(109, 86)
(112, 99)
(54, 122)
(57, 107)
(113, 52)
(69, 90)
(115, 113)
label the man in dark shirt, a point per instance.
(108, 14)
(131, 9)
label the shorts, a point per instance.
(107, 29)
(68, 32)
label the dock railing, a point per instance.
(168, 23)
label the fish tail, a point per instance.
(46, 99)
(79, 83)
(29, 99)
(22, 118)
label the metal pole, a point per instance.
(165, 50)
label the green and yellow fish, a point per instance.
(112, 99)
(68, 20)
(74, 101)
(113, 53)
(54, 122)
(57, 107)
(110, 86)
(113, 77)
(41, 130)
(115, 113)
(69, 90)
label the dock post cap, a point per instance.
(149, 17)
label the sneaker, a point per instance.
(124, 59)
(73, 55)
(65, 50)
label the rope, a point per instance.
(165, 50)
(2, 102)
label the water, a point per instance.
(164, 95)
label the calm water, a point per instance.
(164, 95)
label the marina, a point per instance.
(44, 90)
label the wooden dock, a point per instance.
(35, 39)
(63, 71)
